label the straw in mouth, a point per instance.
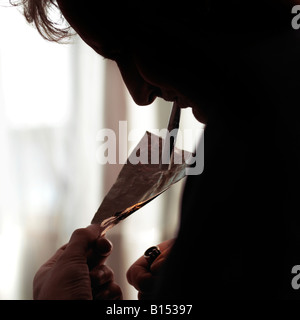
(168, 153)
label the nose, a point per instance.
(142, 92)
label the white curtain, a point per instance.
(53, 100)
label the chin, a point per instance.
(199, 116)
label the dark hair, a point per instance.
(38, 13)
(233, 14)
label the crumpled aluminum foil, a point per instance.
(138, 184)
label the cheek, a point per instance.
(157, 71)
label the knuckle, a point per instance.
(106, 269)
(82, 235)
(101, 275)
(81, 232)
(110, 292)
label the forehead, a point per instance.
(115, 26)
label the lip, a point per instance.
(170, 98)
(181, 104)
(167, 95)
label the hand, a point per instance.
(77, 270)
(143, 277)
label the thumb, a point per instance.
(82, 240)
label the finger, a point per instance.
(110, 291)
(157, 264)
(104, 246)
(99, 253)
(46, 267)
(82, 241)
(140, 276)
(101, 275)
(140, 266)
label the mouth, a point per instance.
(177, 99)
(184, 103)
(181, 103)
(171, 96)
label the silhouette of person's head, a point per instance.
(155, 48)
(166, 49)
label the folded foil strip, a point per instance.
(138, 184)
